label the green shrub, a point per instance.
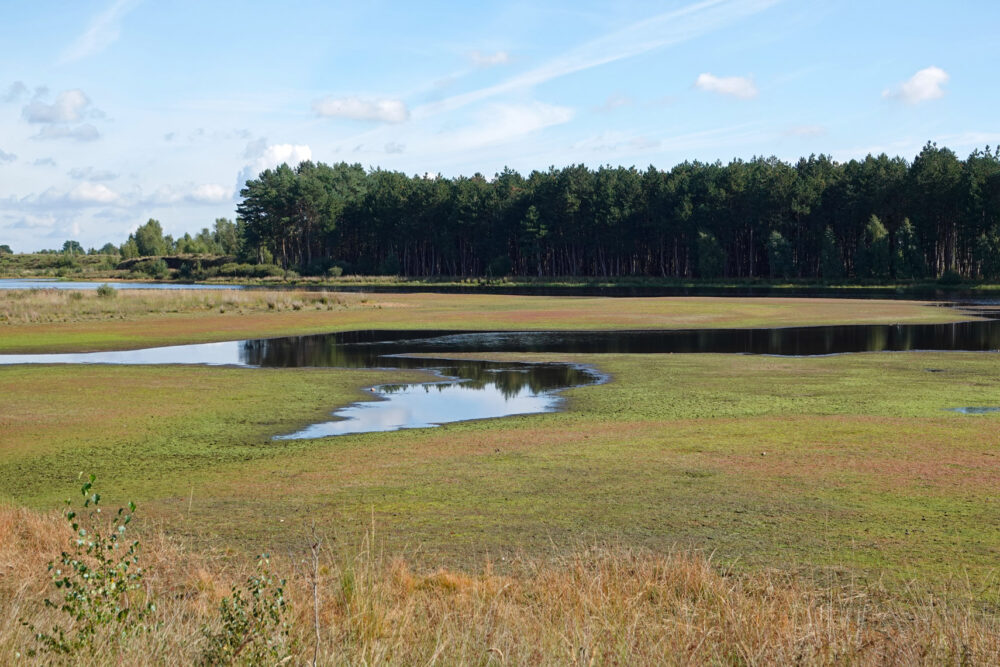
(950, 277)
(154, 268)
(253, 629)
(267, 271)
(390, 266)
(106, 291)
(100, 580)
(335, 271)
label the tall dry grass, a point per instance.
(610, 605)
(41, 306)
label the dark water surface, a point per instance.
(472, 389)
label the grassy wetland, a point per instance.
(719, 508)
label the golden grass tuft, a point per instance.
(602, 605)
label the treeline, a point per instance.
(876, 218)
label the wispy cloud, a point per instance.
(648, 35)
(355, 108)
(91, 174)
(806, 131)
(104, 30)
(14, 92)
(501, 123)
(85, 132)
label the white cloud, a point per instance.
(500, 123)
(210, 193)
(85, 132)
(394, 147)
(69, 107)
(104, 30)
(92, 193)
(480, 59)
(267, 156)
(276, 154)
(355, 108)
(735, 86)
(923, 86)
(6, 157)
(44, 162)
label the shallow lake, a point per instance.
(474, 389)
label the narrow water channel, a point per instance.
(473, 389)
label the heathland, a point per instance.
(724, 508)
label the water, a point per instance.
(475, 389)
(17, 284)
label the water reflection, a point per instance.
(484, 389)
(18, 284)
(428, 405)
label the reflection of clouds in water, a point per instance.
(413, 406)
(15, 284)
(206, 354)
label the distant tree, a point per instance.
(987, 254)
(831, 264)
(149, 239)
(5, 250)
(779, 256)
(108, 249)
(130, 249)
(711, 256)
(908, 259)
(226, 237)
(872, 257)
(72, 248)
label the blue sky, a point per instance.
(115, 111)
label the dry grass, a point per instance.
(598, 606)
(46, 306)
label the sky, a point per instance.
(116, 111)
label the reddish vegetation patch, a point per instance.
(895, 452)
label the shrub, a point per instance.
(335, 271)
(950, 277)
(390, 266)
(106, 291)
(100, 580)
(253, 626)
(267, 271)
(499, 267)
(154, 268)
